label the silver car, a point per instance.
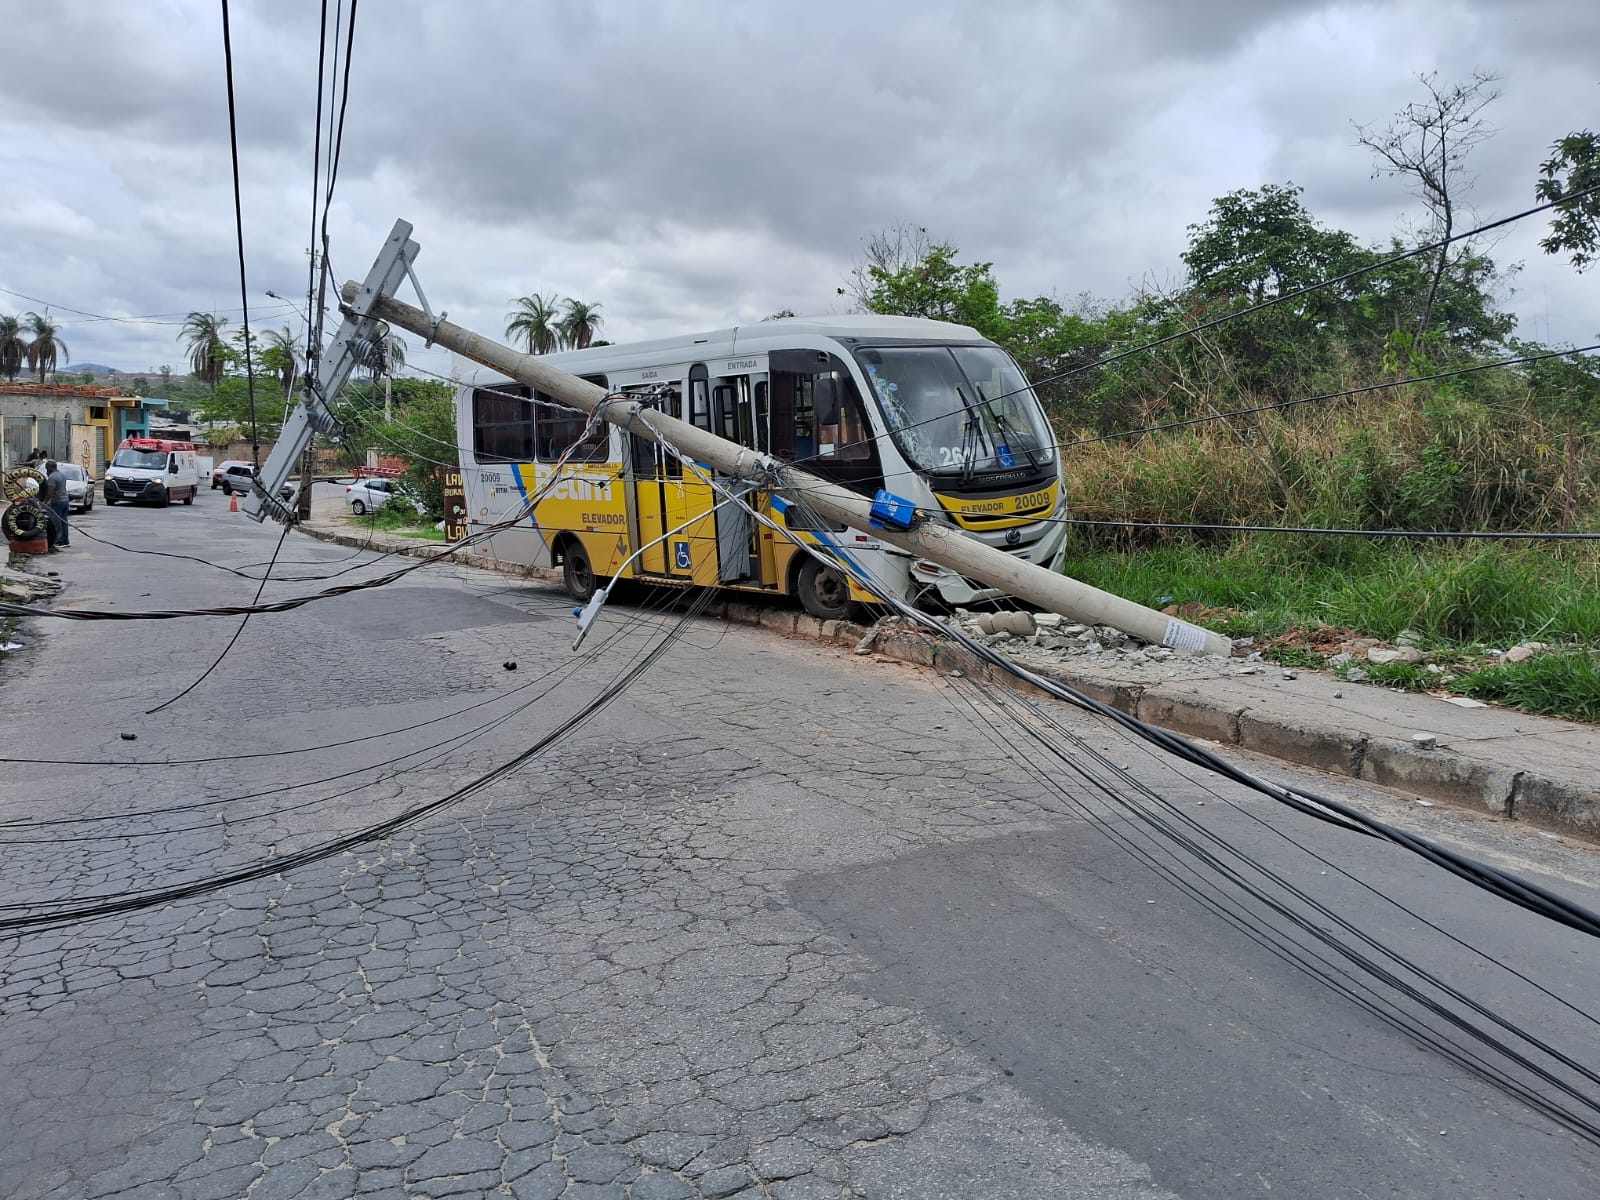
(80, 487)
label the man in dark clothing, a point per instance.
(55, 498)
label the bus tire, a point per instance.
(577, 572)
(823, 592)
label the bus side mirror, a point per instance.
(825, 399)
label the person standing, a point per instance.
(55, 498)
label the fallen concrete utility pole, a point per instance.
(930, 540)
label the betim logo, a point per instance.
(571, 487)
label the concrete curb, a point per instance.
(1443, 774)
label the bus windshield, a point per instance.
(144, 460)
(958, 409)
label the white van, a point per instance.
(153, 470)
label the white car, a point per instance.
(221, 469)
(367, 495)
(80, 487)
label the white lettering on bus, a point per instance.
(571, 487)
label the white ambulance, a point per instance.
(153, 470)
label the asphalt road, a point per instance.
(780, 921)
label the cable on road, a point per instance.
(44, 916)
(1175, 846)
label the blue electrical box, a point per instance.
(892, 512)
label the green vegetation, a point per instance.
(1560, 684)
(1373, 404)
(398, 518)
(545, 324)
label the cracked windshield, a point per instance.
(966, 408)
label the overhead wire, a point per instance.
(249, 353)
(146, 319)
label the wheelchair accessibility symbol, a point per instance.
(680, 556)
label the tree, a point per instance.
(536, 319)
(934, 286)
(281, 356)
(13, 348)
(1573, 169)
(1427, 143)
(887, 252)
(208, 353)
(424, 432)
(781, 314)
(46, 345)
(1262, 244)
(580, 323)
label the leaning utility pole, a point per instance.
(938, 543)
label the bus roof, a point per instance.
(763, 335)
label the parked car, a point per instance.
(80, 487)
(238, 478)
(367, 495)
(221, 469)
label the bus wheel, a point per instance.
(824, 592)
(577, 572)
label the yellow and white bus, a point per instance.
(930, 411)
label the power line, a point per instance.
(1296, 293)
(148, 319)
(1489, 535)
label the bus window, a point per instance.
(558, 429)
(699, 398)
(804, 443)
(763, 442)
(502, 424)
(847, 436)
(722, 404)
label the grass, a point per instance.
(1488, 595)
(1457, 602)
(1558, 684)
(395, 519)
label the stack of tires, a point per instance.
(26, 522)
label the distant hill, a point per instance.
(90, 368)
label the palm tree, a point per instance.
(13, 348)
(580, 323)
(537, 321)
(202, 337)
(46, 346)
(281, 355)
(382, 354)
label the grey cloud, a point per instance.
(699, 163)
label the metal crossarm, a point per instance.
(334, 368)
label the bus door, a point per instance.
(818, 422)
(736, 416)
(653, 473)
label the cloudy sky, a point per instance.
(690, 165)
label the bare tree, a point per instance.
(1427, 144)
(889, 250)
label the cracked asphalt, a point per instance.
(780, 922)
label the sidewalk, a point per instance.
(1499, 761)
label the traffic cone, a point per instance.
(233, 503)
